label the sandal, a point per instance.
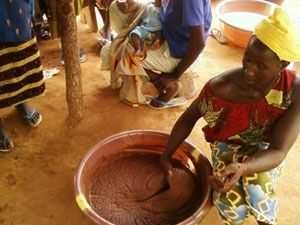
(49, 73)
(159, 104)
(5, 142)
(33, 118)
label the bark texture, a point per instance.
(70, 52)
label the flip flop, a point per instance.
(49, 73)
(159, 104)
(33, 118)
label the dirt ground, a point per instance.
(36, 181)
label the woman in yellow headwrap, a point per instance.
(252, 116)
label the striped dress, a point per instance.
(21, 76)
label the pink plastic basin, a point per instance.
(155, 141)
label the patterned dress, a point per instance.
(21, 75)
(236, 131)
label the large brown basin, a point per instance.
(155, 141)
(237, 18)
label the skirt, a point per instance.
(21, 75)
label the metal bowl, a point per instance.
(155, 141)
(238, 18)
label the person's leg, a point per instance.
(232, 206)
(260, 196)
(161, 60)
(166, 92)
(5, 143)
(29, 114)
(51, 13)
(168, 96)
(103, 9)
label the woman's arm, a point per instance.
(195, 47)
(180, 132)
(283, 137)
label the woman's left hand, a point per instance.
(230, 176)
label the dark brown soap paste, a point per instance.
(124, 180)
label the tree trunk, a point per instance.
(71, 60)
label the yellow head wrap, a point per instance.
(280, 35)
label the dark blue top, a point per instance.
(178, 16)
(15, 20)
